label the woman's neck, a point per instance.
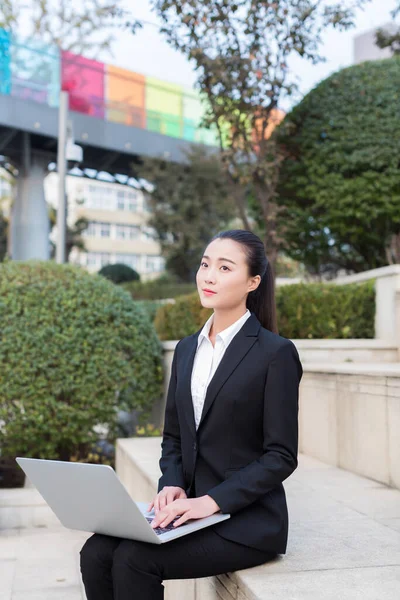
(224, 319)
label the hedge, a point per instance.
(305, 310)
(74, 348)
(158, 290)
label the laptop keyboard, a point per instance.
(169, 527)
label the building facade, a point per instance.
(117, 230)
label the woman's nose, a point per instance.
(210, 279)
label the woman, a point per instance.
(230, 437)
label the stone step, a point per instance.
(344, 535)
(24, 508)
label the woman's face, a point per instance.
(223, 270)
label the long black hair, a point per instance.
(261, 301)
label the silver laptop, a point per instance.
(92, 498)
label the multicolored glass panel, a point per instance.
(35, 71)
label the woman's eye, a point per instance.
(222, 266)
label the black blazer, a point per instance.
(247, 439)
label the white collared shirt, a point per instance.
(208, 357)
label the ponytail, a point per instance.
(262, 301)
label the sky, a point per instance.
(148, 53)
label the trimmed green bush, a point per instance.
(184, 317)
(74, 348)
(167, 285)
(119, 273)
(150, 307)
(326, 310)
(305, 310)
(340, 182)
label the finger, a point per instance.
(183, 519)
(167, 520)
(163, 502)
(159, 518)
(150, 506)
(167, 515)
(157, 504)
(173, 513)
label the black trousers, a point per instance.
(119, 569)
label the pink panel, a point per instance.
(83, 78)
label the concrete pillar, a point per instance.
(30, 226)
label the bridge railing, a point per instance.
(36, 72)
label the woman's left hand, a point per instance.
(189, 508)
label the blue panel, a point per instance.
(35, 71)
(5, 69)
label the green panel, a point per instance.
(162, 123)
(172, 125)
(154, 121)
(189, 130)
(163, 97)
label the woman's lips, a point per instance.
(207, 293)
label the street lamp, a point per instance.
(66, 151)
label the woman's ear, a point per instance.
(255, 282)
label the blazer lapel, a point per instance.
(234, 354)
(187, 369)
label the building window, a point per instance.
(105, 197)
(154, 263)
(98, 259)
(128, 200)
(132, 201)
(127, 232)
(105, 229)
(90, 231)
(98, 229)
(100, 197)
(121, 200)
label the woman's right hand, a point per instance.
(165, 496)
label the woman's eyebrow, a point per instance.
(224, 259)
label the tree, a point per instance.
(73, 235)
(340, 183)
(241, 51)
(6, 182)
(390, 39)
(3, 236)
(189, 203)
(73, 26)
(119, 273)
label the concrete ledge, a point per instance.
(350, 417)
(320, 350)
(349, 411)
(344, 536)
(22, 508)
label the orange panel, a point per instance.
(125, 96)
(276, 116)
